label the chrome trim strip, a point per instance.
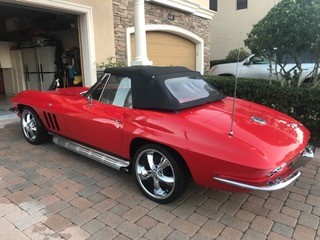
(306, 156)
(91, 153)
(277, 186)
(13, 109)
(258, 120)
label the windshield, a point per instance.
(187, 89)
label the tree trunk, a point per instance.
(315, 72)
(299, 66)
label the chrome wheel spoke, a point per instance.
(166, 179)
(33, 125)
(157, 188)
(156, 184)
(143, 173)
(32, 134)
(28, 118)
(151, 161)
(27, 132)
(164, 162)
(24, 123)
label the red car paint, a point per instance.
(199, 134)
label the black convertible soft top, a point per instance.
(149, 90)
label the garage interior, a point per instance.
(37, 46)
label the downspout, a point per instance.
(141, 57)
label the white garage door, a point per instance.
(166, 49)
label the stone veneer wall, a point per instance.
(156, 14)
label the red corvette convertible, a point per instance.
(167, 125)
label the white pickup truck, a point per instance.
(257, 67)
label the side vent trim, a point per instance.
(56, 122)
(47, 121)
(51, 121)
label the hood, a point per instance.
(231, 65)
(70, 91)
(225, 68)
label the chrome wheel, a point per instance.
(29, 125)
(158, 174)
(32, 127)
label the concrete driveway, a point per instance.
(47, 192)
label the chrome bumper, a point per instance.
(13, 109)
(304, 158)
(284, 183)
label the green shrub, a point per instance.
(219, 61)
(233, 55)
(302, 104)
(109, 63)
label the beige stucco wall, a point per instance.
(204, 3)
(103, 27)
(228, 22)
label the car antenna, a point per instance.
(231, 133)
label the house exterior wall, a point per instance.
(204, 3)
(103, 27)
(228, 22)
(157, 14)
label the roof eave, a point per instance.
(186, 6)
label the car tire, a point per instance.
(32, 127)
(159, 176)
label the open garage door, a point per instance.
(38, 46)
(166, 49)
